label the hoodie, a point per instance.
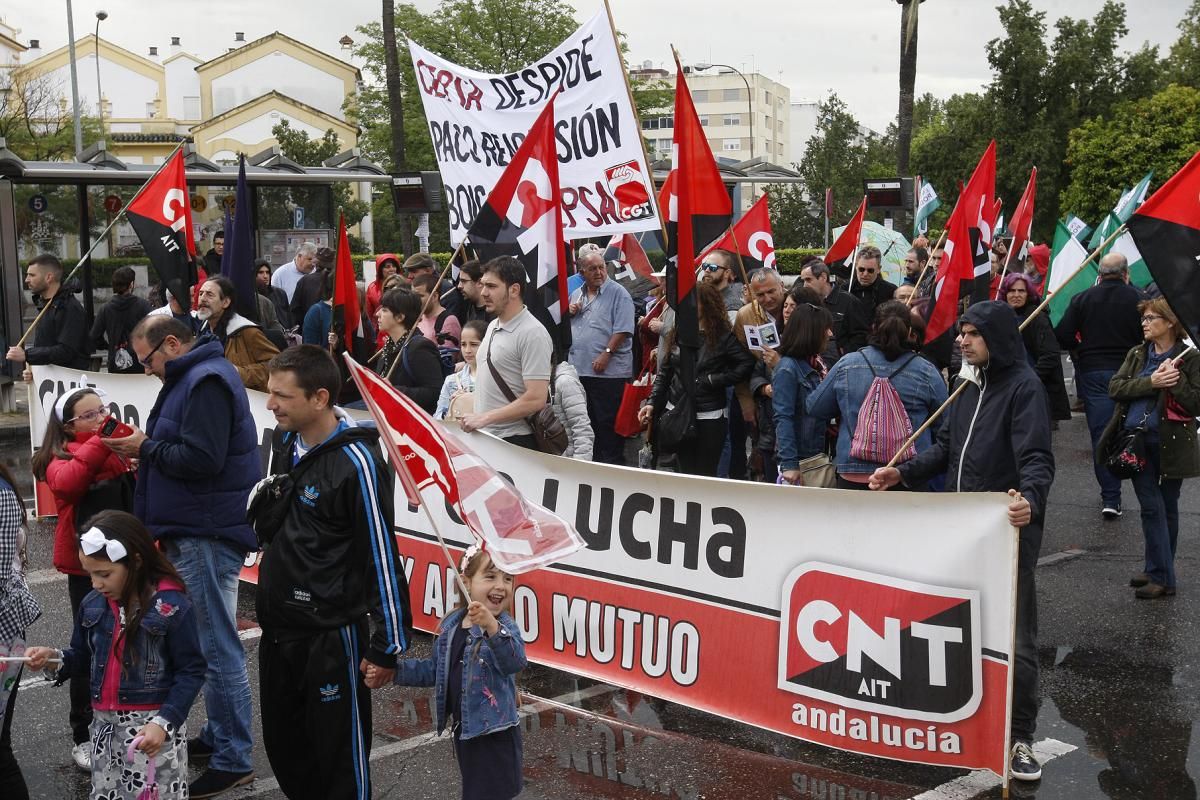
(112, 327)
(997, 436)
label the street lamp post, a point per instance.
(74, 80)
(749, 96)
(100, 17)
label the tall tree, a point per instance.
(1183, 62)
(908, 81)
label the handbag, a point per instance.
(677, 425)
(548, 432)
(818, 471)
(1126, 455)
(633, 396)
(115, 494)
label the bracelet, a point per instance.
(163, 723)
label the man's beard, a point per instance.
(203, 313)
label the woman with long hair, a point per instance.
(721, 361)
(888, 354)
(799, 435)
(1157, 389)
(18, 610)
(1041, 345)
(409, 360)
(85, 477)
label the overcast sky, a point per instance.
(812, 46)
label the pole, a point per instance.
(662, 223)
(424, 310)
(86, 256)
(924, 269)
(74, 82)
(1041, 307)
(827, 190)
(1004, 271)
(99, 94)
(857, 247)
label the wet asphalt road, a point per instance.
(1120, 691)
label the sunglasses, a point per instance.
(711, 267)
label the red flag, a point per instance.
(847, 243)
(698, 208)
(346, 317)
(955, 267)
(1022, 221)
(978, 201)
(523, 218)
(161, 215)
(519, 534)
(751, 236)
(624, 249)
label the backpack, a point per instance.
(447, 345)
(883, 423)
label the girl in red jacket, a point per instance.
(74, 461)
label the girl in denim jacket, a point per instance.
(477, 653)
(136, 639)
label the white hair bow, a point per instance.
(468, 554)
(94, 541)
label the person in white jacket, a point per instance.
(569, 401)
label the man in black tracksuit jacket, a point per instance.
(329, 561)
(998, 439)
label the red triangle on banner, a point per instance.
(1177, 200)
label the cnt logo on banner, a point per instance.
(882, 626)
(477, 121)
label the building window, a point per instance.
(730, 95)
(658, 123)
(663, 146)
(731, 144)
(768, 96)
(768, 123)
(699, 95)
(732, 119)
(704, 120)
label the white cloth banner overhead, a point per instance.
(478, 120)
(879, 622)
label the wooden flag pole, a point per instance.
(1007, 260)
(424, 308)
(96, 243)
(662, 223)
(857, 247)
(963, 385)
(924, 269)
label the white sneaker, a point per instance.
(81, 754)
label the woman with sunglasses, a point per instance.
(84, 477)
(1158, 389)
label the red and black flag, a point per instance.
(698, 209)
(629, 266)
(161, 215)
(955, 270)
(978, 201)
(1166, 230)
(845, 247)
(751, 237)
(347, 320)
(523, 218)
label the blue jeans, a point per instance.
(1159, 498)
(1099, 407)
(210, 568)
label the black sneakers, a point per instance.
(1022, 764)
(217, 781)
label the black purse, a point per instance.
(677, 426)
(113, 494)
(1126, 456)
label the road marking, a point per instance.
(975, 783)
(395, 748)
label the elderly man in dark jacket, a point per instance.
(199, 460)
(997, 439)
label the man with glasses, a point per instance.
(849, 320)
(1099, 327)
(470, 305)
(719, 269)
(869, 286)
(198, 462)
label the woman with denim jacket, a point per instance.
(477, 653)
(136, 639)
(799, 435)
(888, 354)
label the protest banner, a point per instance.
(880, 624)
(478, 120)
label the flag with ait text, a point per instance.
(1166, 231)
(435, 466)
(161, 215)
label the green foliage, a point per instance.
(320, 204)
(1183, 62)
(1109, 155)
(36, 126)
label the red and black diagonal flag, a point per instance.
(978, 202)
(751, 237)
(161, 215)
(698, 209)
(523, 218)
(1166, 230)
(346, 317)
(629, 266)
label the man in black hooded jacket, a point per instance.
(998, 440)
(116, 320)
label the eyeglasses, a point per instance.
(867, 270)
(88, 416)
(145, 362)
(711, 267)
(1150, 318)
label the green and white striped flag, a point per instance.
(1065, 257)
(1078, 228)
(1132, 199)
(927, 203)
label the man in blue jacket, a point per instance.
(997, 439)
(199, 460)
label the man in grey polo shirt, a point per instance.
(520, 349)
(601, 351)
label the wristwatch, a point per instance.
(608, 350)
(163, 723)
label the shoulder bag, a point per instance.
(548, 432)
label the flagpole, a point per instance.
(96, 243)
(662, 223)
(445, 550)
(1041, 307)
(857, 247)
(424, 307)
(924, 269)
